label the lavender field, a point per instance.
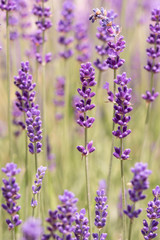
(79, 119)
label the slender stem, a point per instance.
(26, 154)
(8, 83)
(130, 229)
(123, 190)
(112, 146)
(99, 78)
(87, 178)
(148, 107)
(35, 149)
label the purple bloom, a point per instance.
(61, 220)
(34, 131)
(8, 5)
(82, 45)
(10, 193)
(38, 184)
(153, 53)
(153, 213)
(32, 229)
(24, 82)
(65, 26)
(59, 96)
(82, 229)
(139, 184)
(87, 77)
(100, 209)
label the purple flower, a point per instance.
(32, 229)
(153, 213)
(81, 230)
(100, 209)
(139, 184)
(87, 77)
(82, 45)
(61, 220)
(8, 5)
(38, 184)
(65, 26)
(34, 131)
(23, 81)
(10, 193)
(153, 53)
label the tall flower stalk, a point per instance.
(87, 77)
(109, 32)
(10, 193)
(153, 213)
(43, 23)
(25, 98)
(37, 186)
(122, 107)
(8, 6)
(139, 183)
(153, 64)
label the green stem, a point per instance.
(87, 178)
(8, 83)
(123, 190)
(112, 146)
(148, 107)
(26, 154)
(35, 149)
(130, 229)
(99, 78)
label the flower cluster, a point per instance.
(38, 183)
(65, 26)
(153, 213)
(104, 36)
(43, 23)
(61, 220)
(82, 45)
(59, 99)
(122, 107)
(82, 229)
(32, 229)
(10, 193)
(153, 53)
(100, 213)
(24, 82)
(113, 44)
(8, 5)
(87, 77)
(139, 183)
(34, 131)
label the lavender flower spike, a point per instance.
(10, 193)
(100, 213)
(87, 77)
(34, 131)
(61, 220)
(32, 229)
(82, 229)
(38, 184)
(153, 213)
(139, 184)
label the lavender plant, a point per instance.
(10, 193)
(139, 183)
(100, 214)
(81, 230)
(153, 210)
(115, 45)
(87, 77)
(153, 53)
(34, 131)
(37, 185)
(61, 220)
(25, 98)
